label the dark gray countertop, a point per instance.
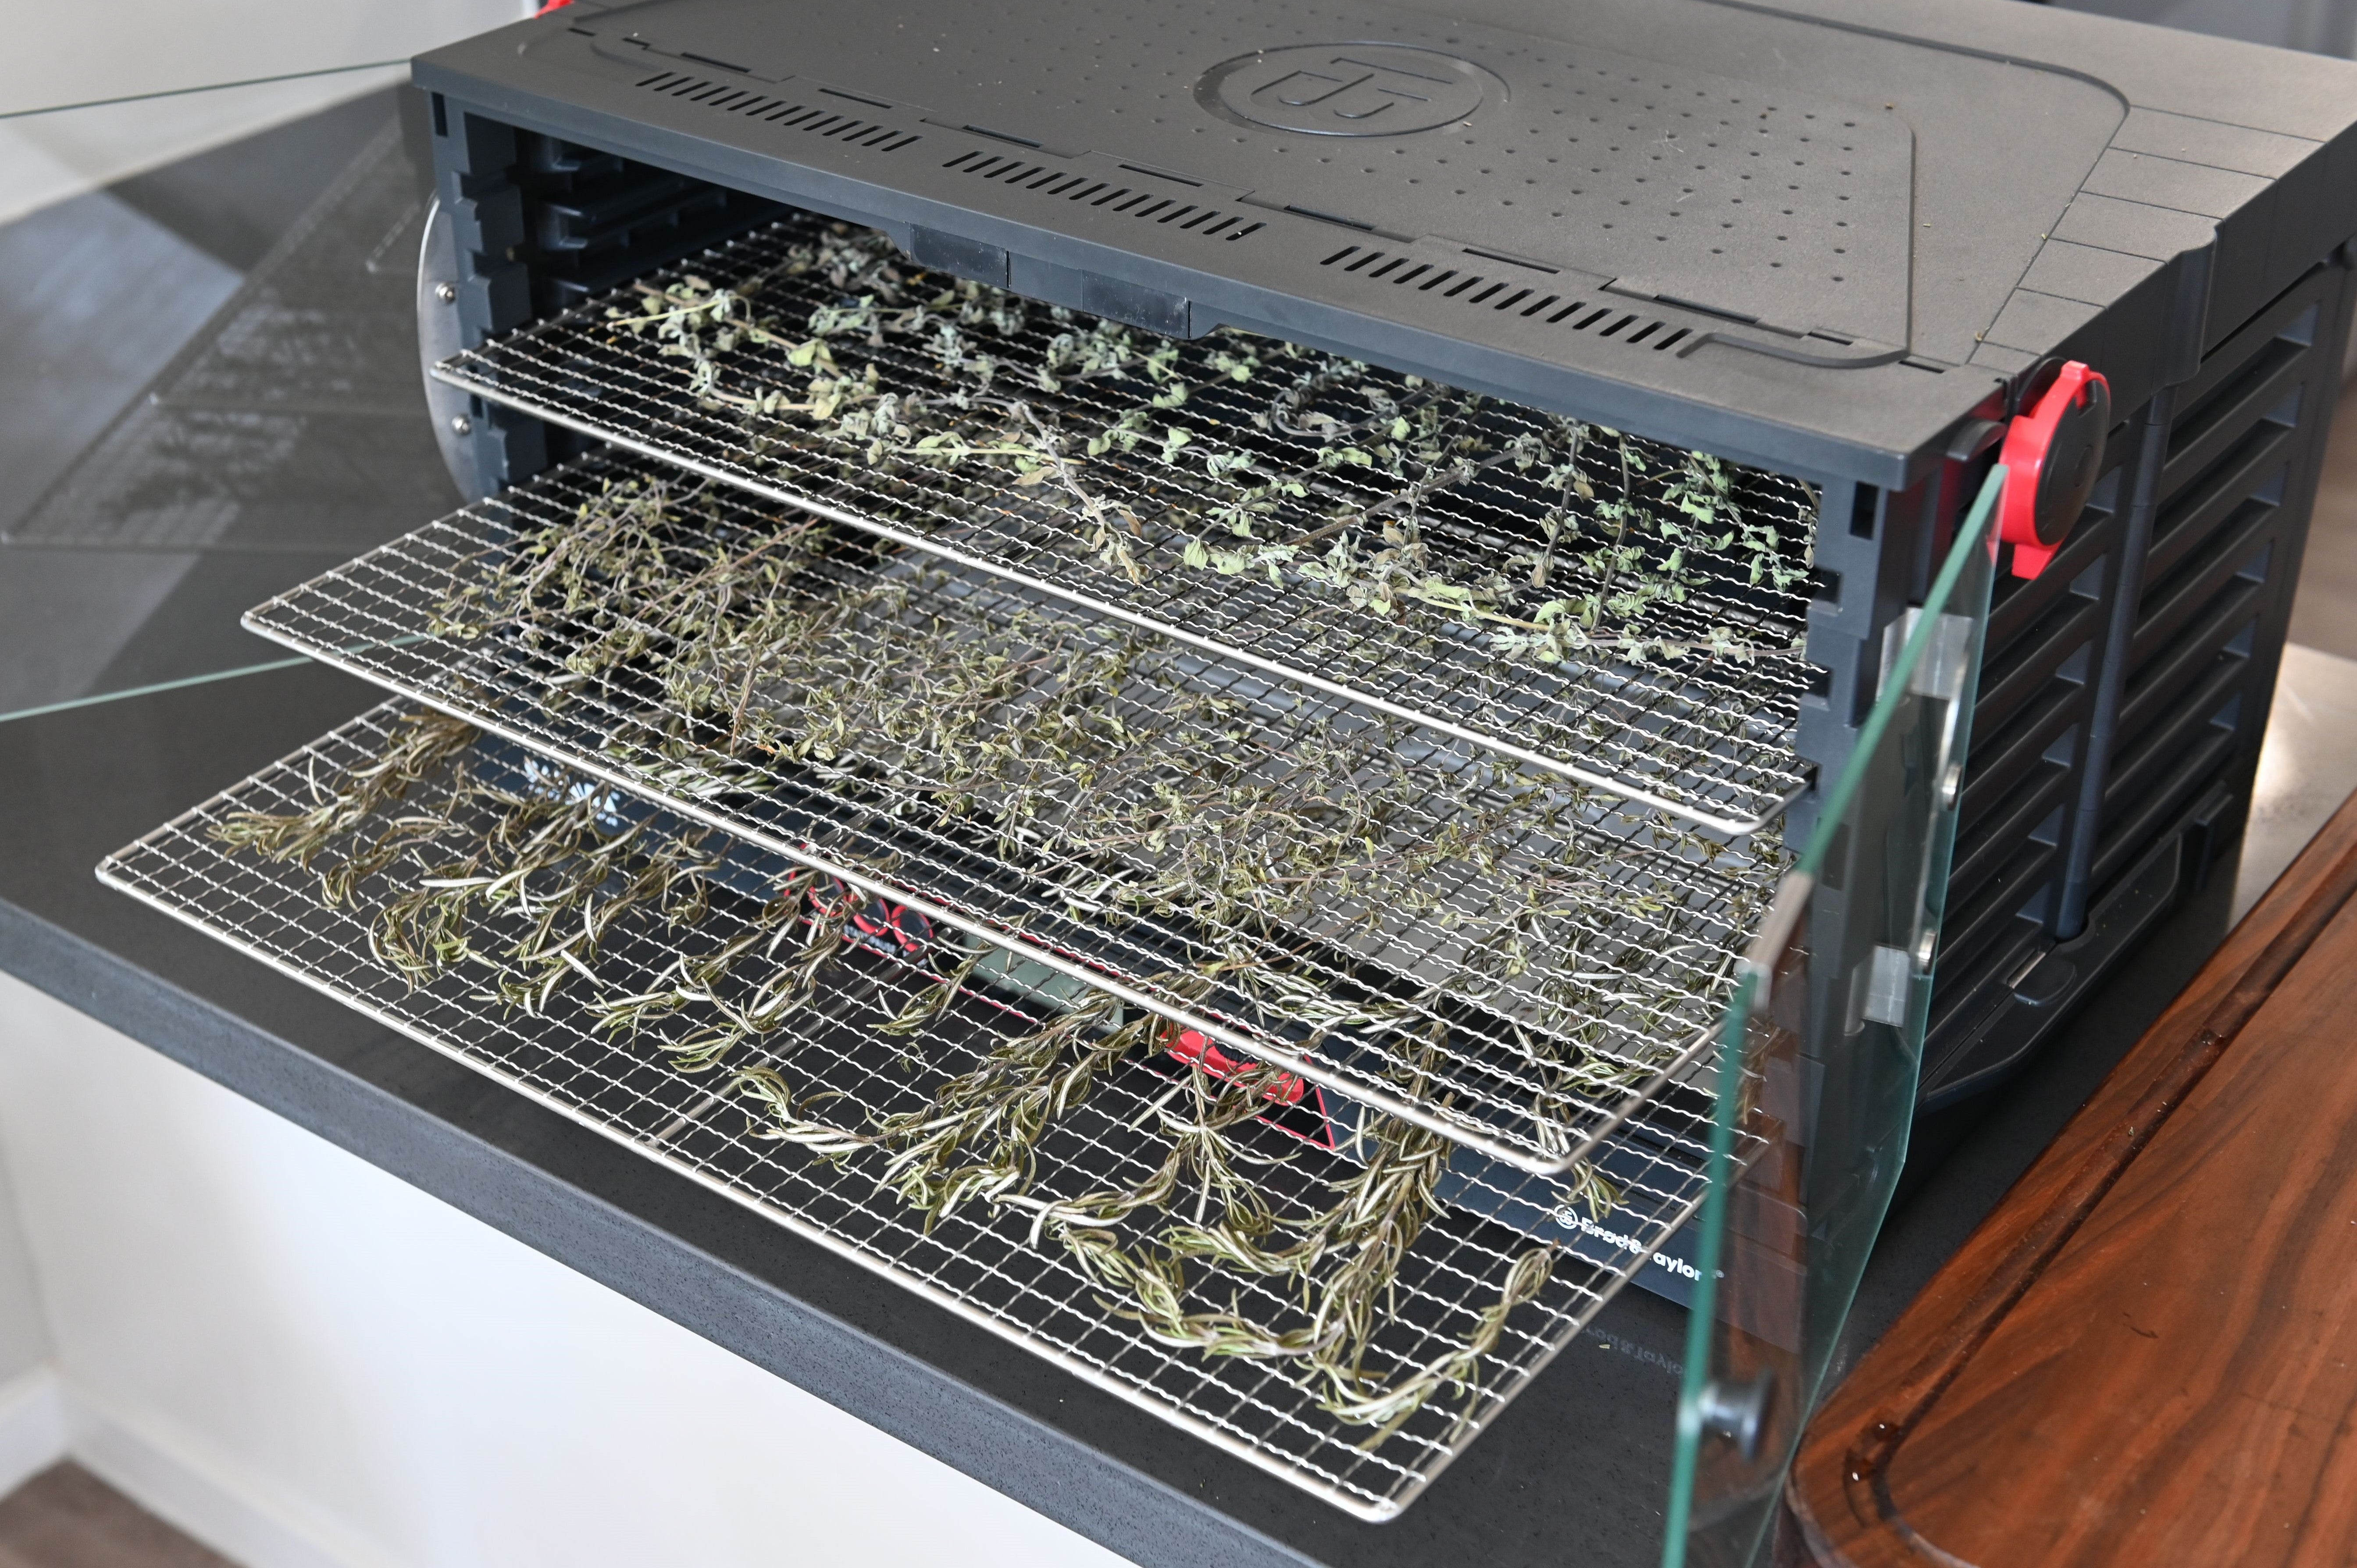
(1573, 1473)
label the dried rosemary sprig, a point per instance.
(425, 744)
(533, 881)
(1120, 770)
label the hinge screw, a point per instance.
(448, 292)
(1739, 1411)
(460, 425)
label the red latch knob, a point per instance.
(2054, 452)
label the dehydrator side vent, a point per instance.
(819, 119)
(1195, 218)
(2240, 467)
(2029, 746)
(2236, 467)
(1574, 312)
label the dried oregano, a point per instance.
(1237, 455)
(532, 883)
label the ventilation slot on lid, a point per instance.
(1126, 199)
(1510, 298)
(754, 105)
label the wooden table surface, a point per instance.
(2148, 1353)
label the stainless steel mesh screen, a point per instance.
(979, 1262)
(1104, 485)
(1562, 957)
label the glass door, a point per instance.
(1817, 1074)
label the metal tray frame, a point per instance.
(1504, 1087)
(980, 1267)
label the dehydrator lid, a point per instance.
(1815, 237)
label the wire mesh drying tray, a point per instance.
(1706, 737)
(1565, 966)
(978, 1263)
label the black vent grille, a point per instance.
(2218, 579)
(1194, 218)
(2028, 748)
(817, 118)
(1532, 301)
(2217, 576)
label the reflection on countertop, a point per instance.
(2307, 766)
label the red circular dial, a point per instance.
(2053, 451)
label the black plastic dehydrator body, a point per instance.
(1836, 239)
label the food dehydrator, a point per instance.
(1537, 446)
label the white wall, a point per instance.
(32, 1430)
(24, 1333)
(48, 157)
(92, 50)
(305, 1361)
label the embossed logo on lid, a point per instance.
(1346, 90)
